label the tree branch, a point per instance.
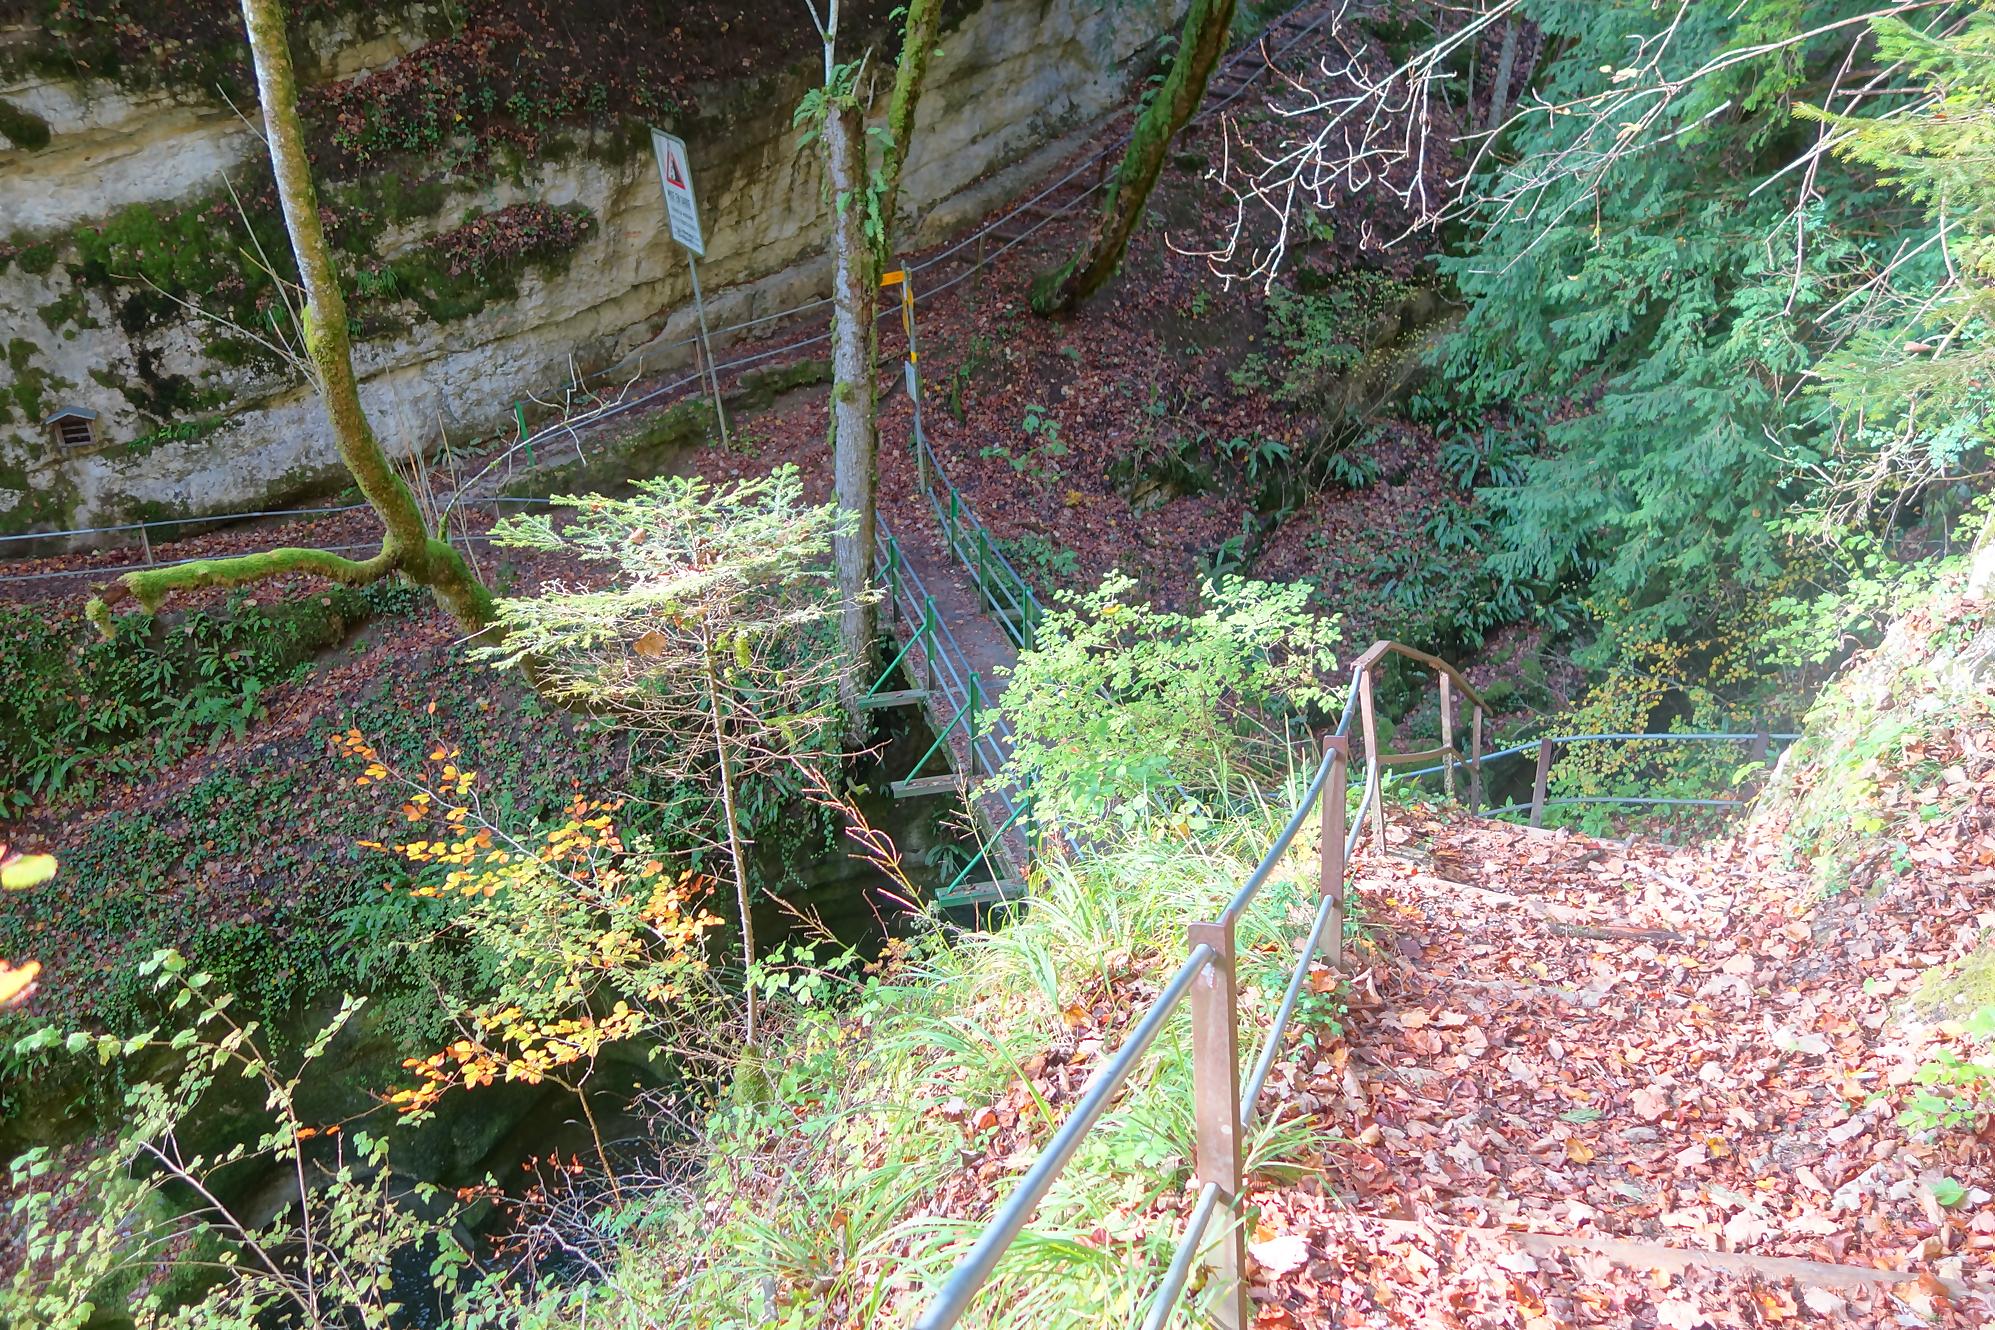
(152, 586)
(917, 45)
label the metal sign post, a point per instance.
(911, 368)
(682, 216)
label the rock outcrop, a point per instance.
(182, 430)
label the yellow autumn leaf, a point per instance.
(20, 871)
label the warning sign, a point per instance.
(676, 177)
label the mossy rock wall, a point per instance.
(148, 196)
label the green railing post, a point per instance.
(928, 643)
(984, 568)
(976, 687)
(894, 577)
(955, 502)
(526, 439)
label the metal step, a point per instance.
(899, 698)
(923, 785)
(984, 893)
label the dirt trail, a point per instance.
(1630, 1047)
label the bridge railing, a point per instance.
(955, 697)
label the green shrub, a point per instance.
(1129, 710)
(77, 709)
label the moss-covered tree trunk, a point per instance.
(407, 545)
(917, 45)
(854, 393)
(424, 559)
(1200, 45)
(861, 241)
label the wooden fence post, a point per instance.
(1448, 735)
(1331, 875)
(1475, 762)
(1541, 783)
(1374, 786)
(1215, 1062)
(1761, 752)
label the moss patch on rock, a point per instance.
(21, 127)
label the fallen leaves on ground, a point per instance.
(1603, 1039)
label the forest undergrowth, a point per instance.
(1646, 442)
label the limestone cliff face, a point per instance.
(1012, 76)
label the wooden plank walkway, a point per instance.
(972, 643)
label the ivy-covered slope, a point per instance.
(1895, 776)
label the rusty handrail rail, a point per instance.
(1377, 651)
(1450, 681)
(1224, 1108)
(1207, 979)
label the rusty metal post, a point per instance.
(1331, 875)
(145, 543)
(1448, 735)
(1215, 1070)
(1541, 783)
(1762, 753)
(1475, 762)
(1374, 786)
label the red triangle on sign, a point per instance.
(674, 177)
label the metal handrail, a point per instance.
(970, 1275)
(1671, 736)
(1212, 1047)
(1225, 1108)
(1551, 745)
(945, 657)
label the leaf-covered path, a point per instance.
(1628, 1047)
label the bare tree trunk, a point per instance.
(1506, 63)
(854, 393)
(1981, 571)
(1200, 45)
(734, 841)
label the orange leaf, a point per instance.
(16, 984)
